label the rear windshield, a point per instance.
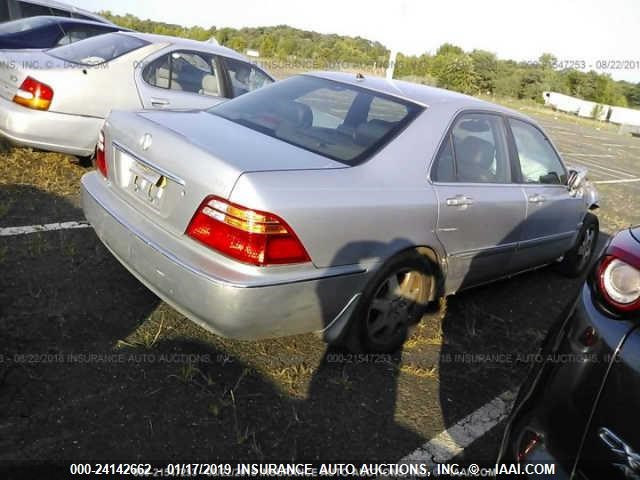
(98, 50)
(340, 121)
(24, 24)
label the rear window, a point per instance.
(339, 121)
(98, 50)
(25, 24)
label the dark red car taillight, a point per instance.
(250, 236)
(34, 94)
(618, 279)
(101, 159)
(528, 443)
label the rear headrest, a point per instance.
(474, 150)
(210, 85)
(368, 133)
(297, 113)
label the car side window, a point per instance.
(245, 77)
(191, 72)
(539, 162)
(475, 151)
(4, 12)
(78, 34)
(444, 166)
(29, 9)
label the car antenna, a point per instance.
(359, 76)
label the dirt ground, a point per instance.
(94, 368)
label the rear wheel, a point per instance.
(578, 259)
(394, 300)
(86, 162)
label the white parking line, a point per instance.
(593, 164)
(590, 155)
(446, 445)
(51, 227)
(626, 180)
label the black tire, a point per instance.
(577, 260)
(373, 330)
(86, 162)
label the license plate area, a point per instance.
(141, 181)
(146, 183)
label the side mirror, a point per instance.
(576, 179)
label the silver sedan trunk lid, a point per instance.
(246, 149)
(165, 164)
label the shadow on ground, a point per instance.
(77, 386)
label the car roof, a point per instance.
(189, 44)
(70, 8)
(432, 97)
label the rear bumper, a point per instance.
(248, 303)
(57, 132)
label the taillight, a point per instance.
(34, 94)
(619, 283)
(529, 442)
(101, 159)
(250, 236)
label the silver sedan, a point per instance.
(333, 203)
(58, 99)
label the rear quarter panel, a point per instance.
(357, 215)
(95, 91)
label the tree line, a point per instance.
(450, 67)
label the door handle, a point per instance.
(459, 201)
(159, 102)
(537, 198)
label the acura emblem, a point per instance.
(146, 141)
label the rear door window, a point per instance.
(475, 151)
(185, 71)
(245, 77)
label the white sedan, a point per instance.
(58, 99)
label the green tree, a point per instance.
(267, 46)
(449, 49)
(485, 65)
(455, 72)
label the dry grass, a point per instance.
(430, 373)
(50, 172)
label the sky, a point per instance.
(573, 30)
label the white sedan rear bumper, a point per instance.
(57, 132)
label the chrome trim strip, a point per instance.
(486, 251)
(548, 238)
(345, 271)
(351, 302)
(149, 164)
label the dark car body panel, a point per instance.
(16, 9)
(48, 36)
(612, 445)
(580, 390)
